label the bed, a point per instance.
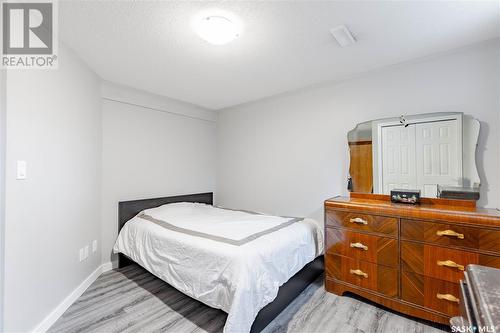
(250, 265)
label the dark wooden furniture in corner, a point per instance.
(480, 292)
(408, 258)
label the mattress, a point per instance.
(231, 260)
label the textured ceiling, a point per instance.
(283, 46)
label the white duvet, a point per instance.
(231, 260)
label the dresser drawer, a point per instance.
(438, 295)
(371, 248)
(362, 222)
(451, 235)
(439, 262)
(366, 275)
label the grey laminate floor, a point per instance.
(133, 300)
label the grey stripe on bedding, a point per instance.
(239, 242)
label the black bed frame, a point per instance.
(286, 293)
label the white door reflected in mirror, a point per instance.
(421, 156)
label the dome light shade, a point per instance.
(217, 30)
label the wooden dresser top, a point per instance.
(456, 211)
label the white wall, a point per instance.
(152, 147)
(285, 155)
(53, 123)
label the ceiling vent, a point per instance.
(343, 36)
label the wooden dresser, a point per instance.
(407, 258)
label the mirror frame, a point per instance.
(469, 137)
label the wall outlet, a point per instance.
(94, 245)
(81, 255)
(86, 252)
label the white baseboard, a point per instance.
(108, 266)
(71, 298)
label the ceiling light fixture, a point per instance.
(217, 30)
(343, 36)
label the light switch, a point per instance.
(21, 170)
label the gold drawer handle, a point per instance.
(450, 233)
(450, 263)
(359, 272)
(359, 246)
(448, 297)
(358, 220)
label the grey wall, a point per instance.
(53, 123)
(153, 146)
(72, 129)
(285, 155)
(3, 95)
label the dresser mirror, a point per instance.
(434, 153)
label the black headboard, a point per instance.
(129, 209)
